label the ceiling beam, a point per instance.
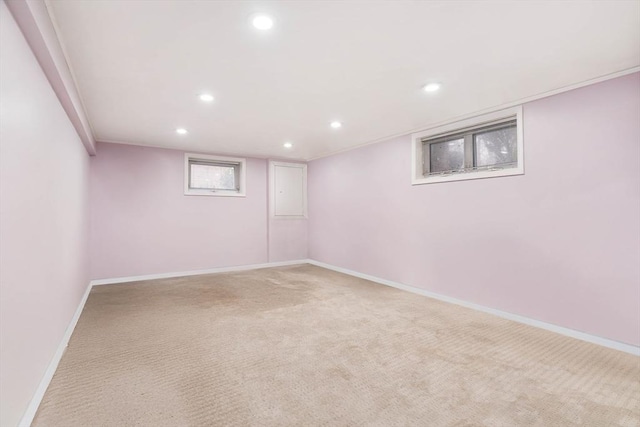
(36, 24)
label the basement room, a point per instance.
(319, 213)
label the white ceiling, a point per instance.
(140, 66)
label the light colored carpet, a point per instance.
(305, 346)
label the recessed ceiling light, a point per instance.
(431, 87)
(262, 22)
(287, 145)
(206, 97)
(336, 125)
(181, 131)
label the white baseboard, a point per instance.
(30, 413)
(196, 272)
(616, 345)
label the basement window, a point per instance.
(214, 175)
(481, 147)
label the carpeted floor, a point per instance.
(305, 346)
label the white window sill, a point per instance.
(417, 177)
(213, 193)
(467, 176)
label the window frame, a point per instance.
(237, 162)
(464, 129)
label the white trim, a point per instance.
(272, 189)
(32, 408)
(242, 162)
(486, 110)
(583, 336)
(30, 413)
(115, 280)
(417, 177)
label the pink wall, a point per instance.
(44, 217)
(288, 239)
(560, 244)
(142, 223)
